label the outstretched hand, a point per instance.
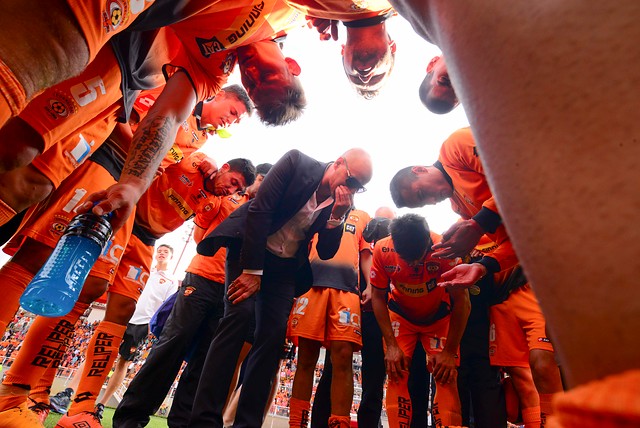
(459, 240)
(120, 199)
(463, 276)
(328, 28)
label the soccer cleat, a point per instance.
(83, 419)
(40, 409)
(19, 417)
(60, 402)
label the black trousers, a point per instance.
(197, 308)
(373, 372)
(271, 306)
(479, 387)
(418, 385)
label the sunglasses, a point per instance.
(352, 182)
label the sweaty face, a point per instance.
(429, 189)
(227, 182)
(367, 62)
(222, 113)
(263, 70)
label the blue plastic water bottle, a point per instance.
(55, 289)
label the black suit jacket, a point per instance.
(285, 190)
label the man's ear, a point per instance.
(392, 45)
(220, 95)
(432, 63)
(293, 66)
(224, 168)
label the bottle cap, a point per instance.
(92, 226)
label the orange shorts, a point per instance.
(325, 315)
(134, 269)
(99, 20)
(63, 158)
(517, 326)
(51, 217)
(64, 110)
(433, 337)
(13, 96)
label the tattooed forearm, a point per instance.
(153, 140)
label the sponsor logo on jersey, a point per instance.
(176, 153)
(358, 5)
(137, 274)
(228, 63)
(412, 290)
(188, 290)
(179, 204)
(209, 46)
(433, 267)
(185, 180)
(60, 105)
(350, 228)
(114, 15)
(432, 284)
(544, 340)
(392, 268)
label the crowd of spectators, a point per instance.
(75, 355)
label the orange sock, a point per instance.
(336, 421)
(101, 354)
(43, 347)
(6, 212)
(611, 402)
(14, 280)
(446, 405)
(531, 417)
(546, 407)
(41, 391)
(299, 413)
(398, 402)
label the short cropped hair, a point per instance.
(401, 180)
(169, 247)
(241, 95)
(263, 168)
(434, 105)
(410, 236)
(244, 167)
(278, 111)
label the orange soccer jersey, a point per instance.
(213, 267)
(472, 197)
(415, 294)
(211, 36)
(99, 20)
(64, 109)
(342, 10)
(175, 197)
(342, 270)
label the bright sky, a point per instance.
(395, 128)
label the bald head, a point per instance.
(359, 164)
(353, 169)
(385, 212)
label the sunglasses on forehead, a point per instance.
(352, 182)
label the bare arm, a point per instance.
(394, 359)
(366, 260)
(150, 143)
(444, 369)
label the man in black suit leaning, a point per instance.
(267, 260)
